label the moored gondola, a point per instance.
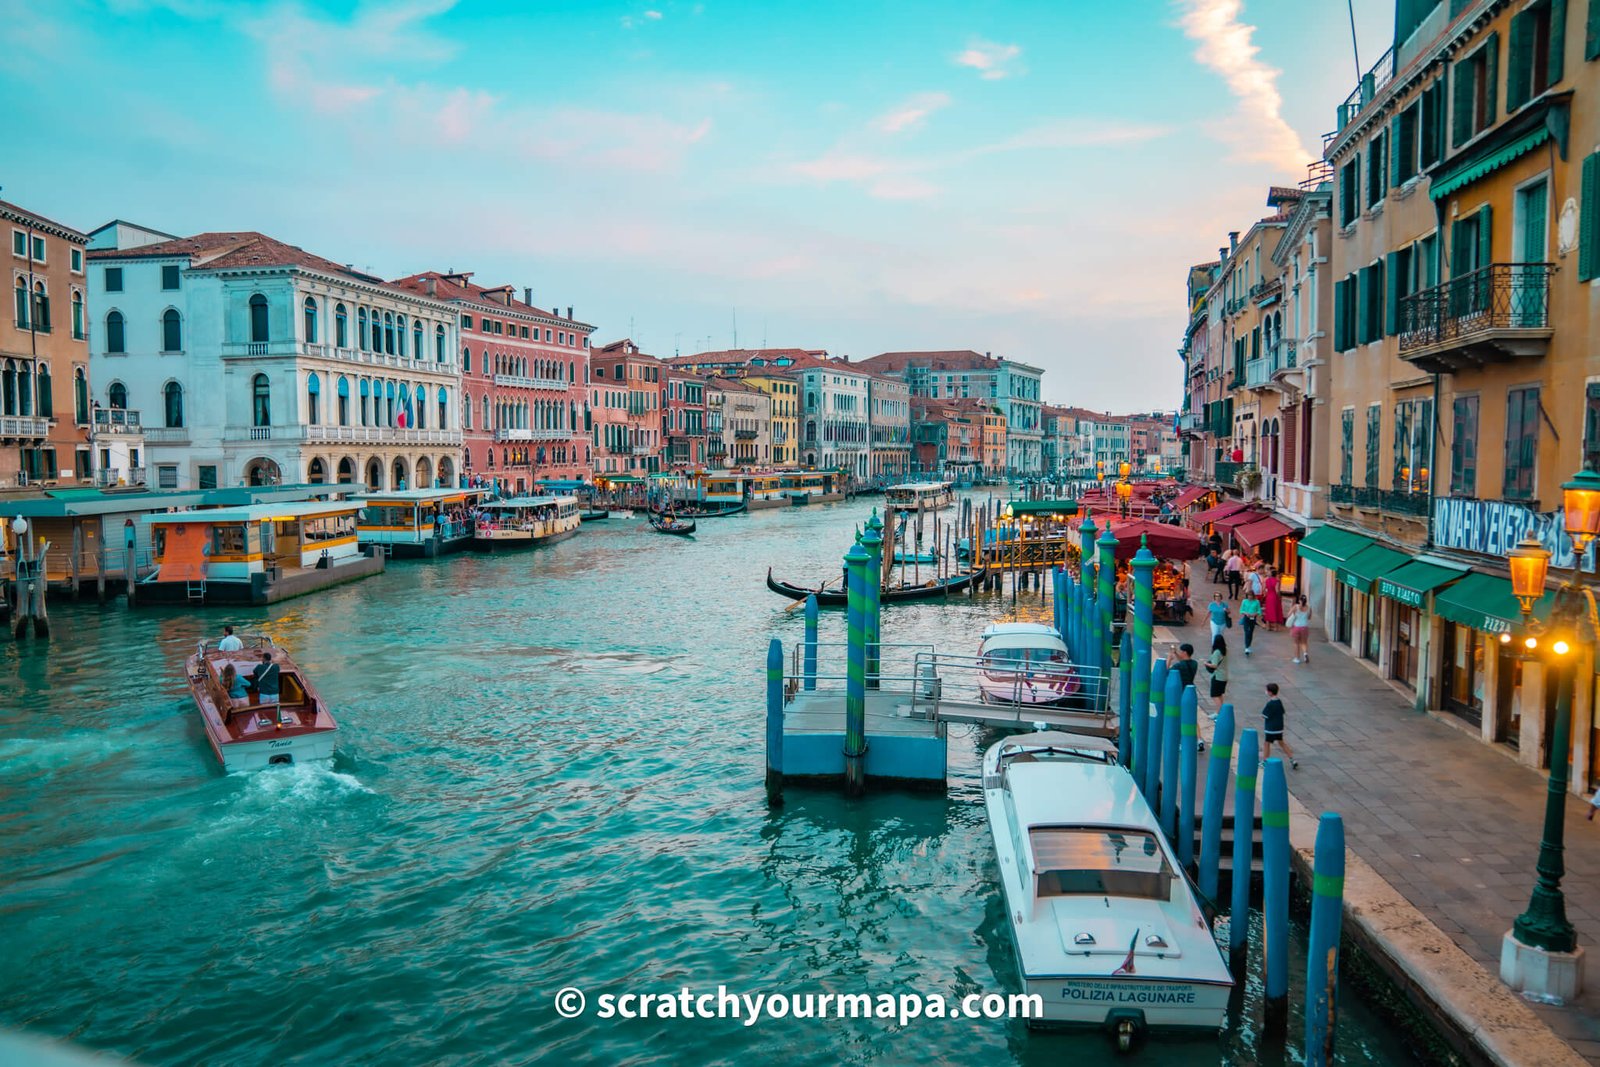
(837, 598)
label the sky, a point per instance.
(1026, 179)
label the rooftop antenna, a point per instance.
(675, 343)
(735, 327)
(763, 331)
(1354, 47)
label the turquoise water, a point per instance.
(549, 774)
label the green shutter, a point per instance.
(1395, 153)
(1391, 304)
(1519, 65)
(1460, 104)
(1558, 39)
(1341, 293)
(1363, 295)
(1491, 91)
(1485, 236)
(1588, 210)
(1591, 37)
(1459, 259)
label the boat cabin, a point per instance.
(919, 496)
(256, 554)
(417, 522)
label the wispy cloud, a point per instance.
(630, 21)
(911, 114)
(992, 61)
(1258, 130)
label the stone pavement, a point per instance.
(1451, 823)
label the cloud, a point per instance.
(1258, 130)
(991, 61)
(911, 114)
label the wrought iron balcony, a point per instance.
(1406, 501)
(1225, 472)
(1493, 314)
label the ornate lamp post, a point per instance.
(1540, 955)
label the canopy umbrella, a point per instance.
(1166, 542)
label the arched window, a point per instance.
(487, 425)
(343, 389)
(116, 345)
(419, 407)
(466, 361)
(387, 417)
(388, 333)
(80, 397)
(41, 308)
(47, 400)
(444, 409)
(117, 395)
(22, 304)
(77, 316)
(361, 327)
(261, 400)
(400, 334)
(341, 327)
(171, 331)
(258, 323)
(416, 339)
(438, 344)
(172, 394)
(311, 320)
(313, 399)
(366, 389)
(24, 390)
(401, 419)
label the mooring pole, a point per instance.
(1125, 700)
(1188, 767)
(775, 721)
(1144, 603)
(810, 650)
(1107, 573)
(1150, 776)
(872, 541)
(855, 697)
(1221, 761)
(1275, 892)
(1322, 957)
(1171, 736)
(1244, 849)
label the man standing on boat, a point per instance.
(265, 679)
(229, 642)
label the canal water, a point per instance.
(549, 774)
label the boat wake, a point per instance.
(309, 783)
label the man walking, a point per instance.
(1217, 612)
(1233, 570)
(1272, 722)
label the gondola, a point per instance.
(672, 526)
(836, 598)
(702, 511)
(594, 515)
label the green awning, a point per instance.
(1469, 171)
(1044, 507)
(1329, 546)
(1370, 564)
(621, 479)
(1484, 602)
(1414, 581)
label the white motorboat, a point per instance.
(1107, 929)
(1025, 663)
(919, 496)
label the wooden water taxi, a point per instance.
(1108, 931)
(919, 496)
(248, 728)
(525, 521)
(417, 522)
(1025, 663)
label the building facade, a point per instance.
(889, 419)
(268, 364)
(632, 383)
(524, 383)
(834, 416)
(746, 424)
(684, 419)
(44, 355)
(1014, 387)
(785, 394)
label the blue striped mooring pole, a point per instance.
(1107, 575)
(775, 721)
(1171, 730)
(872, 541)
(1057, 605)
(1143, 626)
(1125, 699)
(1244, 848)
(1216, 798)
(1275, 892)
(1322, 958)
(1150, 749)
(855, 690)
(1188, 758)
(810, 653)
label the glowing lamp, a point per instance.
(1124, 469)
(1561, 648)
(1580, 504)
(1530, 643)
(1530, 562)
(1505, 639)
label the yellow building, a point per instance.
(785, 395)
(1464, 384)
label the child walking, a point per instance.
(1272, 721)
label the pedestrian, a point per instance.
(1183, 576)
(1217, 665)
(229, 642)
(1300, 630)
(1214, 564)
(1217, 613)
(1215, 542)
(1272, 600)
(1181, 659)
(1233, 570)
(1272, 723)
(1249, 616)
(1253, 581)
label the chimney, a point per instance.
(433, 286)
(569, 312)
(527, 296)
(1222, 254)
(1233, 241)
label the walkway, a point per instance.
(1450, 822)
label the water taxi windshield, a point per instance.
(1072, 861)
(1020, 657)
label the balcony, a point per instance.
(378, 435)
(166, 435)
(116, 421)
(23, 426)
(745, 435)
(35, 327)
(106, 479)
(1225, 472)
(1257, 373)
(1406, 501)
(1362, 496)
(513, 433)
(642, 450)
(519, 382)
(1494, 314)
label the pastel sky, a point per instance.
(1028, 179)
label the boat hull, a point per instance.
(1155, 1005)
(837, 598)
(553, 539)
(243, 756)
(500, 540)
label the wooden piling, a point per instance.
(1244, 821)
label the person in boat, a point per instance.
(232, 683)
(229, 642)
(265, 681)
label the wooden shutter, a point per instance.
(1363, 295)
(1589, 212)
(1396, 153)
(1558, 39)
(1391, 303)
(1461, 103)
(1459, 259)
(1485, 236)
(1519, 61)
(1591, 37)
(1491, 68)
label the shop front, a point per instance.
(1409, 587)
(1361, 573)
(1323, 550)
(1274, 541)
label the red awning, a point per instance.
(1222, 510)
(1240, 518)
(1188, 496)
(1166, 542)
(1255, 534)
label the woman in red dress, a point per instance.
(1271, 600)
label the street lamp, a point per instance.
(1540, 955)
